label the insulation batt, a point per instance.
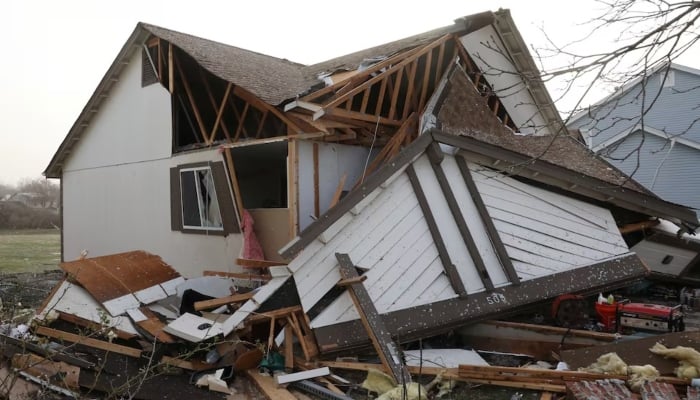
(688, 357)
(640, 374)
(609, 363)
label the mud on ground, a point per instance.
(26, 290)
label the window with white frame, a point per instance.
(200, 206)
(201, 199)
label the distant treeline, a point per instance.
(15, 215)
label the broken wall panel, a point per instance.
(441, 316)
(124, 281)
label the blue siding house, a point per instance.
(650, 129)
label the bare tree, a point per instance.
(644, 37)
(47, 192)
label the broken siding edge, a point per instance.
(427, 320)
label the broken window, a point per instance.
(201, 199)
(200, 207)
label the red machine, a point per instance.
(650, 317)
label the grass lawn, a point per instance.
(29, 250)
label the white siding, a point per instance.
(116, 185)
(490, 55)
(653, 253)
(544, 233)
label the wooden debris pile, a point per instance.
(128, 325)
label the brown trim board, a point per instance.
(450, 269)
(491, 230)
(430, 319)
(435, 155)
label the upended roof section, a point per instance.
(504, 244)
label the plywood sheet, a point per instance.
(123, 281)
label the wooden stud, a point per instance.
(339, 112)
(261, 123)
(491, 230)
(220, 113)
(271, 336)
(372, 321)
(222, 301)
(365, 100)
(450, 268)
(261, 105)
(241, 122)
(317, 197)
(267, 385)
(426, 80)
(395, 93)
(234, 183)
(438, 67)
(288, 346)
(294, 322)
(350, 281)
(212, 101)
(338, 191)
(171, 69)
(408, 99)
(247, 262)
(98, 344)
(292, 185)
(239, 275)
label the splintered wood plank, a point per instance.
(372, 321)
(214, 303)
(98, 344)
(56, 372)
(149, 322)
(267, 385)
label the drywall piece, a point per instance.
(300, 376)
(447, 358)
(194, 328)
(125, 280)
(72, 299)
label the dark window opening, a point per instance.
(262, 175)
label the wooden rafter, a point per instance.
(190, 96)
(400, 85)
(214, 105)
(261, 105)
(219, 115)
(342, 87)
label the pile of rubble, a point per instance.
(129, 326)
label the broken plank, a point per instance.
(239, 275)
(150, 323)
(351, 281)
(267, 386)
(300, 376)
(214, 303)
(57, 372)
(98, 344)
(372, 321)
(246, 262)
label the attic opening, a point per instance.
(206, 109)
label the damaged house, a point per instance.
(405, 189)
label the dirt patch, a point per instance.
(27, 289)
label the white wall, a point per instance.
(334, 160)
(116, 185)
(488, 52)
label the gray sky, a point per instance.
(56, 52)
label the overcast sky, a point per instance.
(56, 52)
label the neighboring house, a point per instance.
(29, 199)
(186, 141)
(650, 130)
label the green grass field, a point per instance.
(29, 250)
